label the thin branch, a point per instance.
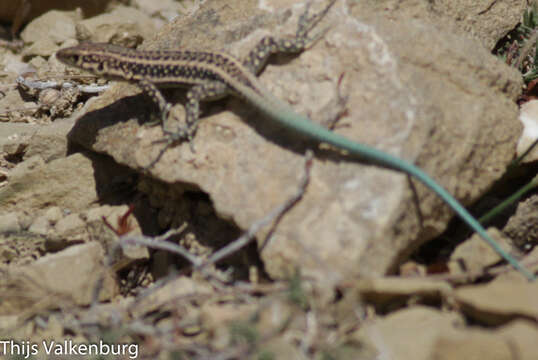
(274, 216)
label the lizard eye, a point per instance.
(75, 58)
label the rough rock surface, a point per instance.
(499, 301)
(47, 284)
(422, 333)
(486, 21)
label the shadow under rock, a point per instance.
(87, 127)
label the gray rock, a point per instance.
(69, 276)
(416, 89)
(9, 223)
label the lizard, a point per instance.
(214, 74)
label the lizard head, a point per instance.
(94, 57)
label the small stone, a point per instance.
(41, 225)
(499, 302)
(7, 254)
(53, 214)
(471, 345)
(528, 115)
(400, 332)
(25, 219)
(9, 223)
(53, 26)
(34, 184)
(522, 335)
(475, 254)
(71, 275)
(69, 223)
(106, 26)
(48, 97)
(385, 291)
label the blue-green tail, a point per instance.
(287, 117)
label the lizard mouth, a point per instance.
(67, 57)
